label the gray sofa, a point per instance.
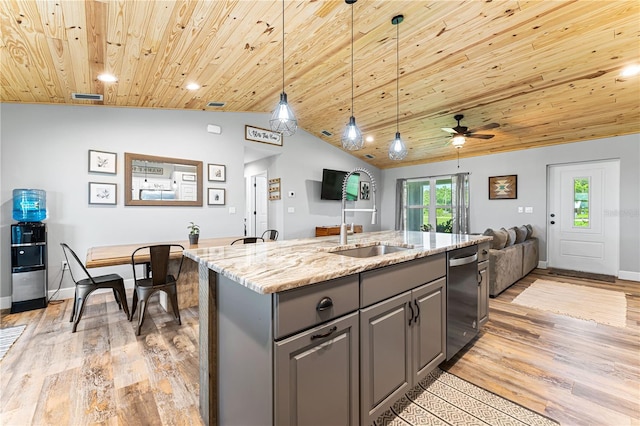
(513, 254)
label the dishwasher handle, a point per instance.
(459, 261)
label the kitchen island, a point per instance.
(260, 302)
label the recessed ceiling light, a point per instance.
(107, 78)
(369, 139)
(192, 86)
(630, 70)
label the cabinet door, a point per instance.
(483, 293)
(385, 355)
(316, 376)
(428, 327)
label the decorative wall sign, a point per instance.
(217, 172)
(102, 162)
(102, 193)
(364, 190)
(503, 187)
(257, 134)
(215, 196)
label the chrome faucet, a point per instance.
(343, 226)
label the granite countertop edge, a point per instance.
(284, 265)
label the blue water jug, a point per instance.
(29, 205)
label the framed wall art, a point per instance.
(217, 172)
(257, 134)
(102, 193)
(215, 196)
(102, 162)
(503, 187)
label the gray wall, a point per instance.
(531, 167)
(46, 147)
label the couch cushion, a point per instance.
(511, 237)
(499, 238)
(529, 231)
(521, 233)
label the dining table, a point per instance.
(118, 255)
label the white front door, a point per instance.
(583, 222)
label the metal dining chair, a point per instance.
(159, 279)
(86, 286)
(248, 240)
(270, 234)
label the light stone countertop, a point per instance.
(283, 265)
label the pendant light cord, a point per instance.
(398, 77)
(283, 46)
(352, 113)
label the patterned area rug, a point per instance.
(8, 337)
(577, 301)
(444, 399)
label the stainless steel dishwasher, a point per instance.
(462, 298)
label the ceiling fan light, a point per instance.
(397, 149)
(458, 141)
(283, 120)
(352, 136)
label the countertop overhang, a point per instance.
(283, 265)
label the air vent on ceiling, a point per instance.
(369, 156)
(326, 133)
(86, 96)
(216, 104)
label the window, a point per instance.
(581, 202)
(429, 204)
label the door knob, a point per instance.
(553, 222)
(552, 215)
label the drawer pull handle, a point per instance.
(327, 334)
(485, 252)
(324, 304)
(417, 311)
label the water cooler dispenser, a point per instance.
(28, 251)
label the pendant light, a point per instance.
(283, 120)
(397, 149)
(352, 136)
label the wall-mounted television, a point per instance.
(332, 185)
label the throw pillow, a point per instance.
(529, 230)
(521, 233)
(499, 238)
(511, 237)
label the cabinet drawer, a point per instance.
(386, 282)
(483, 251)
(302, 308)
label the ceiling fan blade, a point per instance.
(479, 136)
(448, 129)
(485, 127)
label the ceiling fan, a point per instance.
(460, 133)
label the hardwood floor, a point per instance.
(571, 370)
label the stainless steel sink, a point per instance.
(370, 251)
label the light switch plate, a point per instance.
(232, 210)
(291, 210)
(528, 209)
(520, 209)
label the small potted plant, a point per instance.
(194, 233)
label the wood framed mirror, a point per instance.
(161, 181)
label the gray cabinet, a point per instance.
(316, 375)
(385, 355)
(429, 335)
(483, 284)
(402, 338)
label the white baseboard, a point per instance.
(629, 275)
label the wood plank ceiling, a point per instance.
(547, 71)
